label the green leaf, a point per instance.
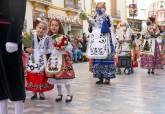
(83, 15)
(27, 40)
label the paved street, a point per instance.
(132, 94)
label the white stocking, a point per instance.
(3, 107)
(68, 89)
(59, 88)
(19, 107)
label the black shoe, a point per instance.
(42, 98)
(69, 98)
(152, 72)
(34, 97)
(107, 81)
(148, 72)
(59, 98)
(100, 81)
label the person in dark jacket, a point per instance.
(12, 14)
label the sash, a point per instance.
(4, 22)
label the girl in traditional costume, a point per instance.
(59, 66)
(150, 52)
(100, 46)
(36, 77)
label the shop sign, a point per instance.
(136, 25)
(132, 10)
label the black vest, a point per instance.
(8, 7)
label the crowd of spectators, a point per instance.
(79, 43)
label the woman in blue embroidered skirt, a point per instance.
(103, 69)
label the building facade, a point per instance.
(137, 22)
(145, 9)
(67, 11)
(157, 10)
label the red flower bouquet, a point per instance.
(60, 42)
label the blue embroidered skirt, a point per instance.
(104, 68)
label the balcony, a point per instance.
(70, 8)
(115, 14)
(47, 0)
(43, 2)
(72, 4)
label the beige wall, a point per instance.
(59, 3)
(57, 12)
(113, 4)
(28, 16)
(29, 12)
(88, 4)
(122, 9)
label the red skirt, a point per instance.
(135, 57)
(37, 82)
